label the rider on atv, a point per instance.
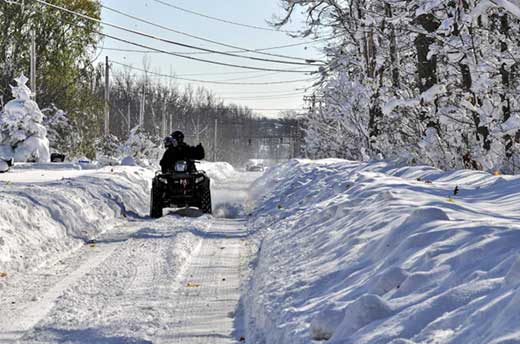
(178, 150)
(179, 184)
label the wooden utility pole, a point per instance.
(107, 97)
(215, 141)
(142, 108)
(164, 120)
(33, 64)
(128, 119)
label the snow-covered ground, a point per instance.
(46, 213)
(368, 253)
(333, 250)
(83, 263)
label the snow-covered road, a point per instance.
(171, 280)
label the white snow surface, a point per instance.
(82, 263)
(359, 253)
(50, 209)
(347, 252)
(47, 212)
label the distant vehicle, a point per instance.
(57, 157)
(183, 187)
(255, 165)
(255, 168)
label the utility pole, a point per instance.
(141, 109)
(164, 120)
(33, 64)
(107, 97)
(215, 141)
(128, 119)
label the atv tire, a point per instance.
(156, 209)
(205, 200)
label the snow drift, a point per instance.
(47, 210)
(43, 220)
(369, 253)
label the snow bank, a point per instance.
(46, 213)
(219, 172)
(373, 253)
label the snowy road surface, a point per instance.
(172, 280)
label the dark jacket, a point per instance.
(181, 152)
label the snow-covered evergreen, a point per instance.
(63, 136)
(142, 146)
(108, 149)
(22, 134)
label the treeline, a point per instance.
(228, 132)
(423, 81)
(70, 90)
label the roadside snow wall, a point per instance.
(368, 253)
(40, 222)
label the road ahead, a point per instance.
(172, 280)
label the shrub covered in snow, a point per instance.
(63, 136)
(108, 149)
(142, 146)
(21, 129)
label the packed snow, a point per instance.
(82, 262)
(355, 252)
(46, 213)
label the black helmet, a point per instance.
(178, 136)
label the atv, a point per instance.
(182, 187)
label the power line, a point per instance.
(220, 19)
(227, 73)
(262, 98)
(300, 109)
(164, 40)
(211, 81)
(164, 51)
(233, 51)
(266, 93)
(251, 77)
(240, 49)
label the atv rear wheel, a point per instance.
(156, 209)
(205, 200)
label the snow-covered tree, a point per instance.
(108, 149)
(21, 128)
(63, 136)
(441, 80)
(142, 146)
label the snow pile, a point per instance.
(219, 172)
(142, 147)
(108, 150)
(46, 213)
(371, 253)
(21, 129)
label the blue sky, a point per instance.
(252, 12)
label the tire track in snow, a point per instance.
(22, 316)
(209, 293)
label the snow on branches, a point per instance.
(441, 81)
(22, 133)
(142, 146)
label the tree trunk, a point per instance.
(426, 68)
